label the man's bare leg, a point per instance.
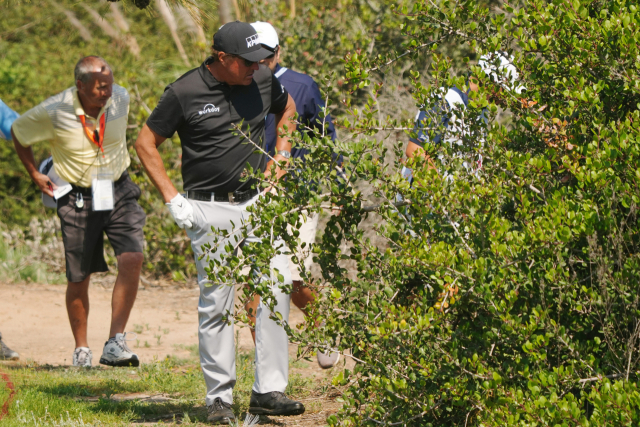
(301, 297)
(77, 300)
(125, 290)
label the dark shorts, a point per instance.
(82, 229)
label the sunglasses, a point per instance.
(247, 63)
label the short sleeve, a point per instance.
(279, 96)
(313, 108)
(33, 126)
(418, 129)
(168, 115)
(7, 117)
(427, 121)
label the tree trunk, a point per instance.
(224, 11)
(118, 17)
(191, 25)
(170, 20)
(236, 8)
(73, 20)
(113, 32)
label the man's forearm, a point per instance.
(147, 149)
(26, 156)
(414, 149)
(286, 118)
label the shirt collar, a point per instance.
(77, 105)
(206, 75)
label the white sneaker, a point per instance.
(82, 357)
(117, 353)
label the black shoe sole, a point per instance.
(221, 420)
(256, 410)
(121, 363)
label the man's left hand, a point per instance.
(182, 211)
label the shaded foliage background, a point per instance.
(40, 43)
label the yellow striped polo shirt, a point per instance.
(77, 159)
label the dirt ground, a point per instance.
(33, 322)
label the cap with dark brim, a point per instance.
(256, 55)
(241, 39)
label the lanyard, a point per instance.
(95, 137)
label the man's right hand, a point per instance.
(44, 183)
(26, 157)
(182, 211)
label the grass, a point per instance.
(64, 396)
(15, 266)
(35, 256)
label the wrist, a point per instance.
(168, 197)
(34, 173)
(284, 153)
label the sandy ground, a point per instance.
(34, 322)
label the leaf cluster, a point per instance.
(505, 294)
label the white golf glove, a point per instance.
(182, 211)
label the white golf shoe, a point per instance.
(82, 357)
(117, 353)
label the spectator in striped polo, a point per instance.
(86, 128)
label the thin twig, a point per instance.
(458, 233)
(408, 52)
(600, 377)
(237, 128)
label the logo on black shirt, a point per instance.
(252, 40)
(209, 108)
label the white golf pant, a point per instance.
(217, 346)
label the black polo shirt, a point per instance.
(202, 110)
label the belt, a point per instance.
(86, 191)
(235, 197)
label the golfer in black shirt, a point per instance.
(229, 88)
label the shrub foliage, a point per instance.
(507, 296)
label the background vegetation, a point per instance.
(40, 43)
(506, 297)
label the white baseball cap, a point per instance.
(267, 35)
(500, 67)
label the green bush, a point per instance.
(506, 297)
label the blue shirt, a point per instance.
(7, 117)
(309, 103)
(432, 119)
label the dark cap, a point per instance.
(240, 38)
